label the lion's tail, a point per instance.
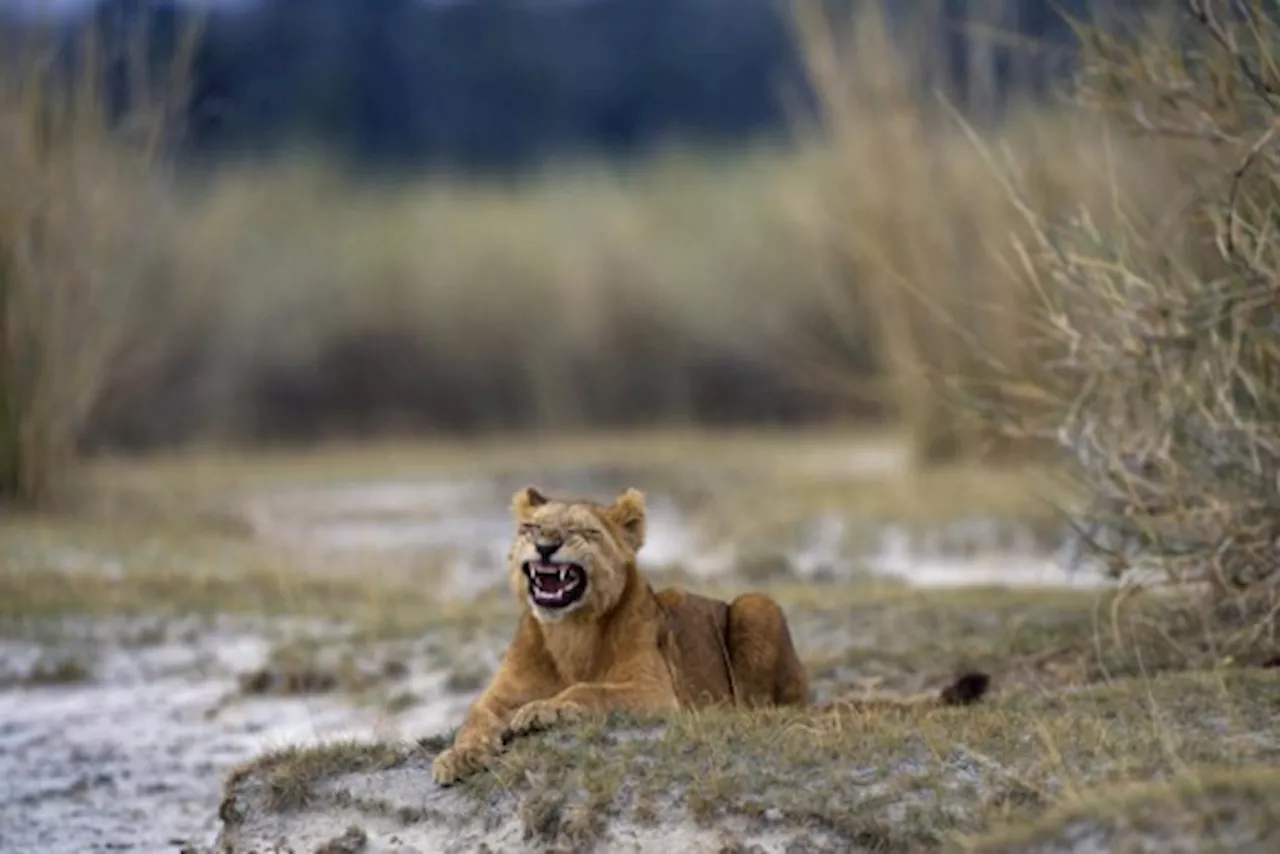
(962, 691)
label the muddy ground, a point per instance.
(192, 618)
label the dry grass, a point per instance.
(927, 236)
(79, 214)
(1030, 637)
(291, 771)
(895, 782)
(789, 304)
(1227, 809)
(346, 309)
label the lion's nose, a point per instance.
(546, 550)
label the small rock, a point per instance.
(352, 841)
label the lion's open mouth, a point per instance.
(555, 585)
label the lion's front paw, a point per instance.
(459, 761)
(543, 714)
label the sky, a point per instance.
(64, 6)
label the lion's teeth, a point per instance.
(564, 573)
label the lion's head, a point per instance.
(573, 555)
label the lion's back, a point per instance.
(694, 643)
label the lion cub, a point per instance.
(593, 635)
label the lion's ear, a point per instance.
(629, 512)
(525, 500)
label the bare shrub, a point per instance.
(1166, 389)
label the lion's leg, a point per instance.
(766, 669)
(476, 742)
(645, 694)
(519, 681)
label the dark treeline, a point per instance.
(502, 83)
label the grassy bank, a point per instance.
(1139, 699)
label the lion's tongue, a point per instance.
(551, 582)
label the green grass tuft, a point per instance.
(289, 775)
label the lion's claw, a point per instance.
(458, 762)
(543, 714)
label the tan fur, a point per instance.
(624, 647)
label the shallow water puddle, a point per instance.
(466, 525)
(134, 758)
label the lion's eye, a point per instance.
(528, 530)
(588, 533)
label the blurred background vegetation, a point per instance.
(285, 220)
(401, 215)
